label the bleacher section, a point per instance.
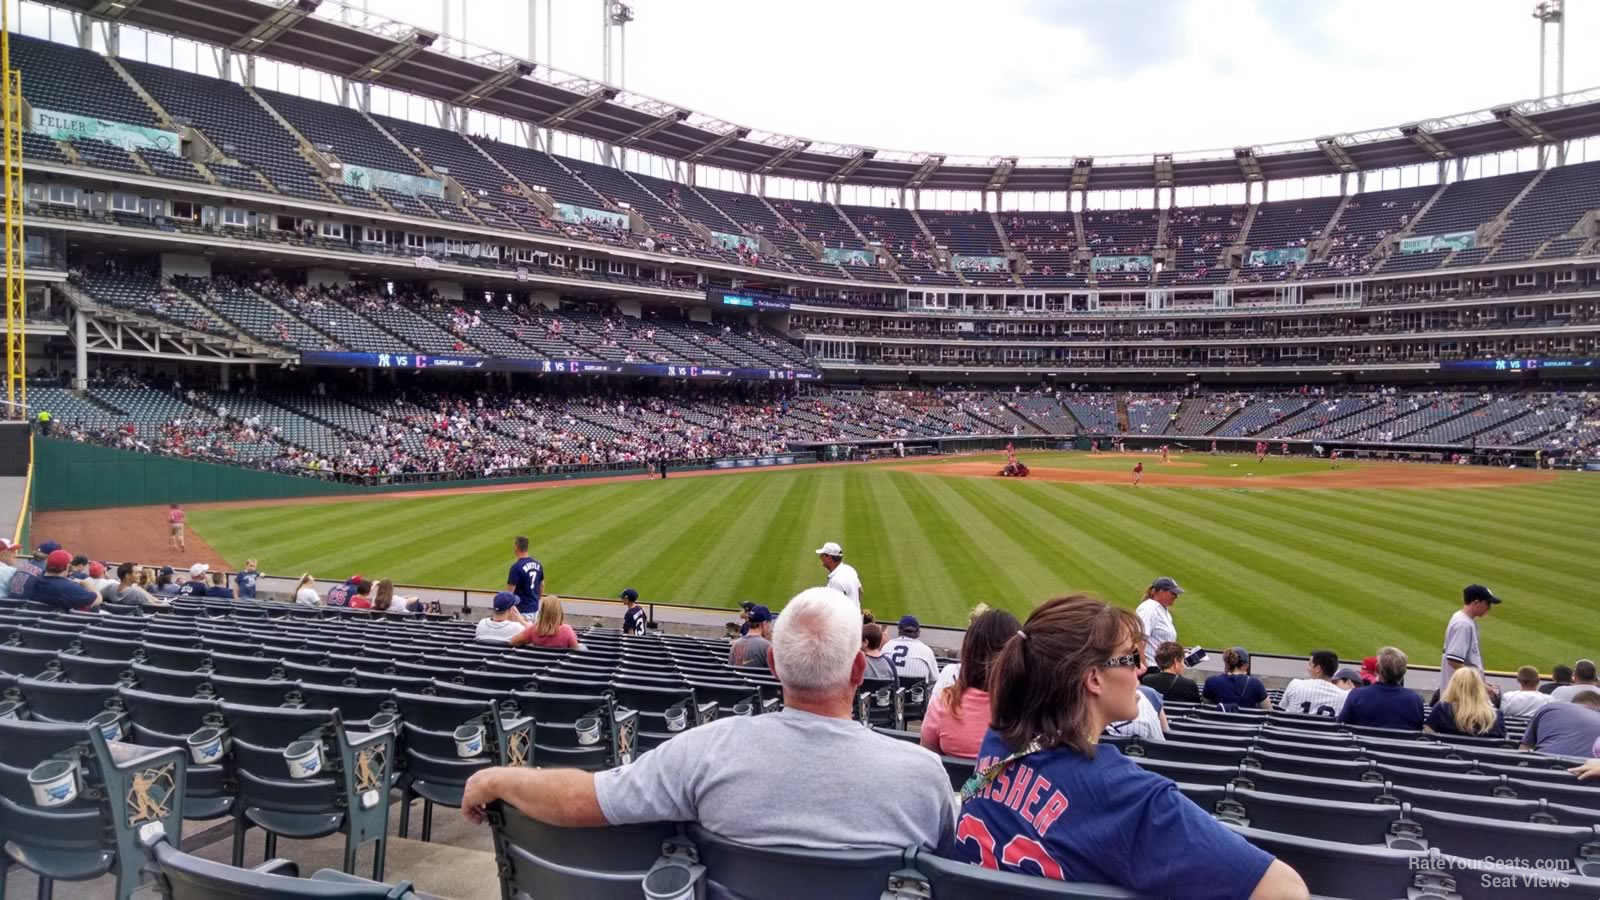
(1554, 207)
(1196, 240)
(236, 123)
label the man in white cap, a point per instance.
(842, 576)
(196, 585)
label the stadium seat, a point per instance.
(946, 879)
(182, 659)
(1354, 871)
(52, 639)
(25, 663)
(180, 876)
(656, 706)
(125, 791)
(1191, 773)
(54, 701)
(743, 870)
(1327, 820)
(1295, 748)
(235, 665)
(1505, 808)
(728, 696)
(1434, 780)
(1309, 786)
(250, 692)
(350, 795)
(1577, 794)
(1577, 848)
(1479, 880)
(354, 704)
(1184, 751)
(539, 860)
(557, 742)
(172, 682)
(1304, 764)
(158, 720)
(88, 670)
(434, 769)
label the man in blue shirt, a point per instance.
(29, 570)
(246, 581)
(633, 616)
(54, 588)
(1387, 702)
(526, 579)
(339, 594)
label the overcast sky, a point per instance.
(1057, 77)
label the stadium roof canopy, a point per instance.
(333, 37)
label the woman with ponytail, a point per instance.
(1056, 684)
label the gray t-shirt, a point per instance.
(750, 650)
(133, 595)
(1460, 644)
(787, 779)
(1563, 729)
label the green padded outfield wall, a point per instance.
(69, 475)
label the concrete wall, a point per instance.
(449, 290)
(189, 264)
(327, 275)
(630, 308)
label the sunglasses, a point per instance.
(1126, 661)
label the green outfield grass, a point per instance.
(1275, 570)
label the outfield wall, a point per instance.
(70, 475)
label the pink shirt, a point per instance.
(564, 637)
(175, 516)
(956, 735)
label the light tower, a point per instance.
(1551, 12)
(615, 14)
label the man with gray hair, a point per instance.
(794, 778)
(1387, 702)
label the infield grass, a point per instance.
(1274, 570)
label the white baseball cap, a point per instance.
(198, 569)
(830, 549)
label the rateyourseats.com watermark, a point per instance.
(1510, 873)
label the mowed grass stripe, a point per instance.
(1438, 559)
(1034, 564)
(908, 569)
(1476, 508)
(1371, 591)
(972, 570)
(724, 533)
(765, 564)
(1459, 526)
(635, 548)
(1237, 573)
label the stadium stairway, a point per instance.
(1122, 414)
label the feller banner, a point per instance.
(1427, 243)
(849, 257)
(979, 263)
(1279, 257)
(1120, 264)
(580, 215)
(68, 127)
(411, 185)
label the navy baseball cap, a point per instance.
(759, 614)
(1348, 674)
(1165, 584)
(166, 570)
(48, 547)
(504, 601)
(1472, 593)
(910, 623)
(1244, 655)
(631, 595)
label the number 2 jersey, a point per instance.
(1104, 820)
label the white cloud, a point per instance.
(1058, 77)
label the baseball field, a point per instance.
(1281, 556)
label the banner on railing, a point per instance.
(1281, 256)
(747, 462)
(845, 256)
(69, 127)
(1120, 264)
(548, 366)
(748, 301)
(583, 215)
(374, 179)
(734, 241)
(1521, 365)
(979, 263)
(1427, 243)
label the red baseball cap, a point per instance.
(58, 559)
(7, 546)
(96, 570)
